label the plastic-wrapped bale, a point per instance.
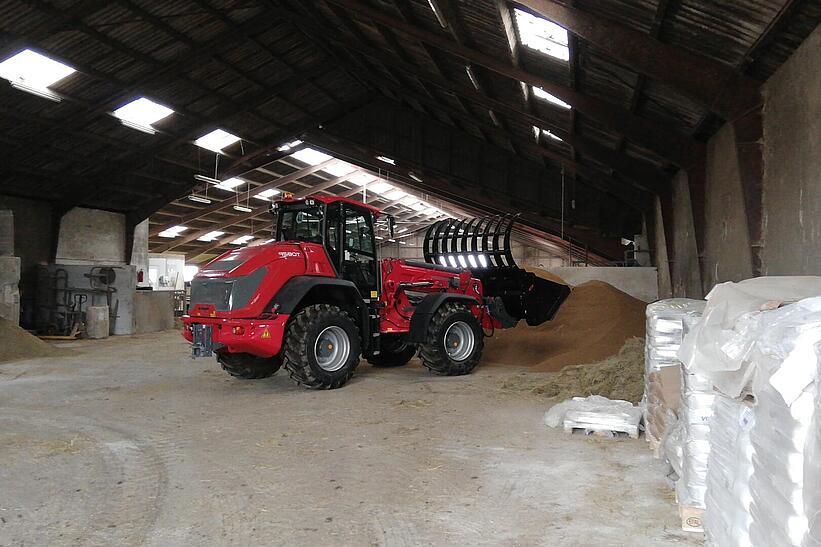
(812, 471)
(786, 390)
(666, 322)
(729, 467)
(696, 411)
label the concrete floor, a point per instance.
(128, 441)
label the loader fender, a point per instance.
(424, 312)
(305, 290)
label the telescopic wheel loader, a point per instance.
(317, 297)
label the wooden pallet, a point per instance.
(691, 518)
(631, 431)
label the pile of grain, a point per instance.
(16, 344)
(620, 376)
(593, 323)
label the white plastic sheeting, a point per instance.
(727, 518)
(695, 415)
(595, 413)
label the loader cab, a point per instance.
(344, 228)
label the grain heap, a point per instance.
(16, 344)
(593, 323)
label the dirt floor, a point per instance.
(128, 441)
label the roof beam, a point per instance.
(666, 141)
(230, 202)
(714, 85)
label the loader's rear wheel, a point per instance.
(454, 341)
(321, 347)
(247, 366)
(395, 351)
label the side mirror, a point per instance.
(391, 224)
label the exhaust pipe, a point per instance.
(482, 245)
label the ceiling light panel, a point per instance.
(361, 179)
(34, 70)
(217, 140)
(211, 236)
(310, 156)
(230, 184)
(242, 240)
(172, 232)
(143, 113)
(267, 194)
(340, 169)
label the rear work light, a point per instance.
(239, 330)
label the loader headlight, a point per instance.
(443, 261)
(472, 260)
(462, 261)
(452, 261)
(483, 261)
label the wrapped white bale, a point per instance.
(727, 517)
(695, 414)
(786, 389)
(666, 323)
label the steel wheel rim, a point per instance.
(459, 341)
(332, 348)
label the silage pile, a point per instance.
(17, 343)
(620, 376)
(593, 323)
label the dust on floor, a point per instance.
(132, 442)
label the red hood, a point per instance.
(245, 260)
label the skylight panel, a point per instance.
(289, 145)
(173, 232)
(395, 194)
(310, 156)
(142, 113)
(340, 169)
(242, 240)
(407, 201)
(380, 187)
(542, 94)
(230, 184)
(542, 35)
(361, 179)
(211, 236)
(35, 73)
(216, 140)
(550, 134)
(267, 194)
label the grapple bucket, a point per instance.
(482, 245)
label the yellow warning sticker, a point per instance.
(374, 294)
(266, 334)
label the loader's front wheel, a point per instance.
(395, 352)
(322, 347)
(247, 366)
(454, 341)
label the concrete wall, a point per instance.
(641, 283)
(91, 236)
(727, 255)
(792, 164)
(685, 270)
(791, 190)
(153, 311)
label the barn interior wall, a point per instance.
(791, 238)
(792, 164)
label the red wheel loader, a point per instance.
(318, 297)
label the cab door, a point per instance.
(359, 250)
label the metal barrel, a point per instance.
(483, 246)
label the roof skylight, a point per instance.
(34, 73)
(386, 159)
(242, 240)
(310, 156)
(361, 179)
(217, 140)
(380, 187)
(172, 232)
(395, 194)
(230, 184)
(340, 169)
(289, 145)
(211, 236)
(142, 113)
(267, 194)
(542, 94)
(542, 35)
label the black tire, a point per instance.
(433, 352)
(247, 366)
(302, 354)
(394, 351)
